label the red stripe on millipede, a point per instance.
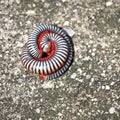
(51, 48)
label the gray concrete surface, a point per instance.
(90, 89)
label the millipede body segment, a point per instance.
(49, 52)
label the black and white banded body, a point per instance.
(49, 52)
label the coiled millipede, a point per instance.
(49, 52)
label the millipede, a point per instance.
(49, 52)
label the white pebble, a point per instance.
(56, 22)
(109, 3)
(75, 10)
(70, 32)
(28, 22)
(37, 110)
(79, 70)
(112, 83)
(1, 55)
(103, 74)
(29, 118)
(92, 80)
(1, 30)
(19, 44)
(109, 67)
(66, 23)
(40, 119)
(93, 54)
(100, 62)
(113, 61)
(60, 114)
(88, 77)
(103, 87)
(73, 76)
(30, 12)
(64, 0)
(94, 49)
(111, 110)
(119, 20)
(107, 87)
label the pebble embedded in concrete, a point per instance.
(66, 23)
(112, 110)
(73, 76)
(70, 32)
(107, 87)
(109, 3)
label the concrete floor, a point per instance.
(90, 89)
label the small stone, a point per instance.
(70, 32)
(13, 59)
(109, 3)
(78, 114)
(37, 110)
(66, 23)
(34, 5)
(56, 22)
(80, 56)
(1, 30)
(30, 12)
(100, 62)
(19, 44)
(60, 114)
(103, 87)
(93, 54)
(103, 74)
(28, 22)
(94, 99)
(79, 70)
(93, 17)
(109, 67)
(29, 118)
(40, 119)
(119, 20)
(64, 0)
(73, 76)
(111, 110)
(107, 87)
(94, 49)
(113, 61)
(75, 10)
(92, 80)
(88, 76)
(112, 83)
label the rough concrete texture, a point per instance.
(90, 89)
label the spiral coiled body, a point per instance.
(49, 52)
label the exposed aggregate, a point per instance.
(90, 89)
